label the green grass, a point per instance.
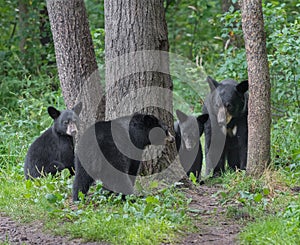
(282, 228)
(102, 217)
(267, 208)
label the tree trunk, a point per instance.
(45, 34)
(137, 65)
(23, 27)
(75, 57)
(259, 117)
(233, 39)
(226, 4)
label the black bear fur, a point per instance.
(100, 152)
(188, 130)
(53, 151)
(228, 112)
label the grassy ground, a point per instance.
(150, 220)
(269, 207)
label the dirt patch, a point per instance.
(12, 232)
(214, 228)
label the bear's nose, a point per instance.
(72, 129)
(228, 105)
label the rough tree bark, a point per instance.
(259, 116)
(137, 64)
(75, 58)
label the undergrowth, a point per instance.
(102, 217)
(268, 208)
(152, 219)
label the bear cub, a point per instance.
(188, 130)
(53, 151)
(226, 131)
(111, 151)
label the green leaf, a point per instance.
(266, 191)
(28, 184)
(258, 197)
(223, 194)
(50, 186)
(27, 195)
(152, 200)
(153, 185)
(51, 198)
(193, 178)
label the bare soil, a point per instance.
(12, 232)
(213, 227)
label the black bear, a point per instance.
(188, 130)
(112, 150)
(226, 131)
(53, 151)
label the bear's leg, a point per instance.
(133, 170)
(220, 168)
(242, 135)
(207, 133)
(197, 164)
(232, 152)
(52, 168)
(215, 144)
(233, 158)
(82, 180)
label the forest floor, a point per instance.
(213, 226)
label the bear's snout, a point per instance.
(72, 129)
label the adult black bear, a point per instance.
(188, 130)
(112, 150)
(53, 151)
(226, 131)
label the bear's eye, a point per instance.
(65, 122)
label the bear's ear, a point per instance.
(202, 118)
(181, 116)
(213, 84)
(53, 112)
(77, 108)
(242, 87)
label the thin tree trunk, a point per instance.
(233, 39)
(259, 117)
(75, 57)
(23, 25)
(226, 4)
(137, 65)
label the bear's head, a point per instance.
(66, 122)
(147, 129)
(228, 99)
(190, 128)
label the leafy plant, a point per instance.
(285, 226)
